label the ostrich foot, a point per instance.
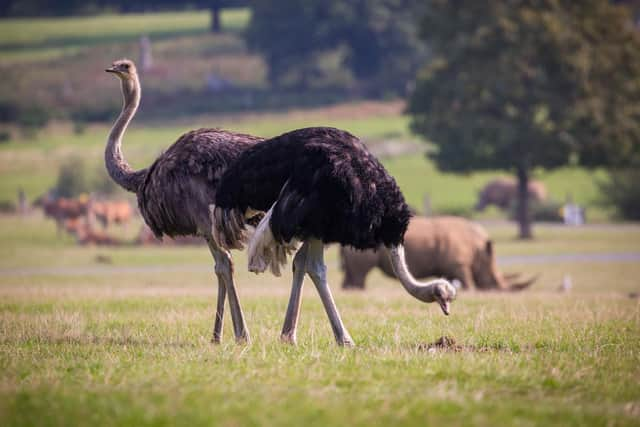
(345, 341)
(243, 339)
(289, 338)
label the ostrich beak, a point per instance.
(446, 307)
(111, 70)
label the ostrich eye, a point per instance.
(126, 66)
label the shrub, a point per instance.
(7, 206)
(622, 192)
(72, 178)
(33, 118)
(9, 111)
(30, 118)
(5, 136)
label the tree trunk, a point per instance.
(215, 16)
(523, 217)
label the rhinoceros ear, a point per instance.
(489, 248)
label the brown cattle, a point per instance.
(81, 229)
(62, 209)
(112, 212)
(503, 192)
(449, 247)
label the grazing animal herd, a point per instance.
(76, 216)
(293, 193)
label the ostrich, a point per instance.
(317, 186)
(175, 192)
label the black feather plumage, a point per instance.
(181, 184)
(325, 184)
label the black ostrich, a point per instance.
(316, 185)
(175, 193)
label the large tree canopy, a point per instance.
(378, 38)
(521, 84)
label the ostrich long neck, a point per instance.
(419, 290)
(117, 166)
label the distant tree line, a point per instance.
(375, 40)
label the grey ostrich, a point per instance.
(175, 192)
(317, 186)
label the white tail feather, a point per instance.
(264, 251)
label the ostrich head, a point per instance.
(123, 68)
(444, 293)
(438, 290)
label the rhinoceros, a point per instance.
(450, 247)
(502, 192)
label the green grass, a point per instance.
(46, 38)
(416, 175)
(32, 164)
(132, 348)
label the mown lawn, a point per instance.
(35, 39)
(85, 343)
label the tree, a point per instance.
(525, 84)
(215, 8)
(290, 35)
(378, 37)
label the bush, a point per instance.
(30, 118)
(95, 113)
(33, 118)
(7, 206)
(9, 111)
(5, 136)
(622, 192)
(72, 178)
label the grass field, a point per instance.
(36, 39)
(120, 336)
(128, 343)
(32, 163)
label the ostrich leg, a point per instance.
(222, 295)
(317, 270)
(224, 269)
(293, 309)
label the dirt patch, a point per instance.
(449, 344)
(444, 343)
